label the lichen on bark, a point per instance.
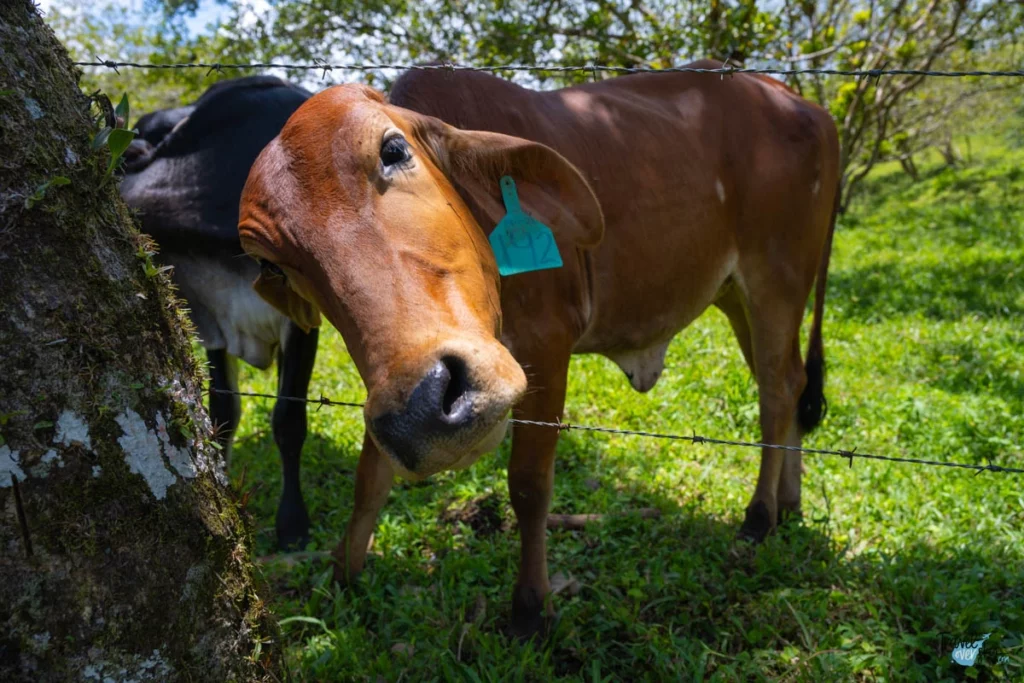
(121, 583)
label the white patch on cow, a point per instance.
(9, 465)
(642, 367)
(72, 431)
(226, 311)
(142, 450)
(179, 458)
(816, 187)
(720, 189)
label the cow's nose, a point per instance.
(441, 404)
(444, 393)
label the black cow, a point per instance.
(184, 174)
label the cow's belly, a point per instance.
(225, 309)
(637, 312)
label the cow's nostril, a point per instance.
(455, 404)
(441, 405)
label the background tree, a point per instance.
(123, 556)
(124, 32)
(892, 117)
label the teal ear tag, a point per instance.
(522, 244)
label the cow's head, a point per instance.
(362, 210)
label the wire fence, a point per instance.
(326, 67)
(694, 438)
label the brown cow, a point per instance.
(666, 193)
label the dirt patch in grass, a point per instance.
(484, 515)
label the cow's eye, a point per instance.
(394, 150)
(270, 269)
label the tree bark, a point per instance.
(122, 555)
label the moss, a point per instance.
(89, 325)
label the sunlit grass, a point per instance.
(893, 565)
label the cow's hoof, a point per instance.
(292, 526)
(758, 523)
(529, 619)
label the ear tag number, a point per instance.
(522, 244)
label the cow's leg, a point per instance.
(792, 472)
(225, 409)
(734, 308)
(374, 477)
(294, 368)
(531, 476)
(780, 378)
(732, 304)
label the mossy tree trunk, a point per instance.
(122, 555)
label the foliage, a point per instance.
(123, 32)
(115, 135)
(893, 565)
(657, 33)
(888, 117)
(40, 191)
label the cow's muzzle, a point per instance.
(452, 415)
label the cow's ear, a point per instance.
(550, 188)
(276, 291)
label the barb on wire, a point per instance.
(692, 438)
(323, 65)
(323, 400)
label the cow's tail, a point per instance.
(812, 406)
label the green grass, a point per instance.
(892, 566)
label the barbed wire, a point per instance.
(321, 65)
(694, 438)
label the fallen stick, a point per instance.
(578, 522)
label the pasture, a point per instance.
(892, 566)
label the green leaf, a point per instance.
(122, 109)
(40, 191)
(306, 620)
(101, 138)
(118, 142)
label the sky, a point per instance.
(209, 11)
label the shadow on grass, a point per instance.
(670, 598)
